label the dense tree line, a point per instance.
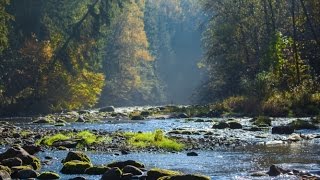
(263, 55)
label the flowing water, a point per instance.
(221, 163)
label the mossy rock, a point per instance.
(77, 155)
(18, 168)
(49, 175)
(60, 124)
(75, 167)
(5, 168)
(262, 121)
(97, 170)
(221, 125)
(35, 163)
(4, 175)
(302, 124)
(155, 174)
(122, 164)
(185, 177)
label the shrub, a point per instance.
(241, 104)
(277, 105)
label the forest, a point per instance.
(245, 56)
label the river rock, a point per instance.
(48, 175)
(78, 178)
(5, 168)
(113, 174)
(185, 177)
(97, 170)
(221, 125)
(274, 171)
(155, 174)
(137, 118)
(75, 167)
(77, 155)
(302, 124)
(192, 154)
(42, 120)
(234, 125)
(132, 169)
(66, 143)
(128, 176)
(282, 130)
(26, 158)
(107, 109)
(122, 164)
(26, 174)
(12, 162)
(32, 149)
(4, 175)
(81, 119)
(294, 137)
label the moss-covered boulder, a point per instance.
(221, 125)
(18, 168)
(75, 167)
(113, 174)
(49, 176)
(97, 170)
(155, 174)
(262, 121)
(76, 155)
(185, 177)
(302, 124)
(122, 164)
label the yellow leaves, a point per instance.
(144, 55)
(46, 50)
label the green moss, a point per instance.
(75, 167)
(153, 139)
(49, 175)
(51, 139)
(35, 163)
(86, 138)
(155, 174)
(77, 155)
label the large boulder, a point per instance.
(155, 174)
(185, 177)
(77, 155)
(26, 158)
(274, 171)
(12, 162)
(107, 109)
(136, 118)
(122, 164)
(48, 175)
(75, 167)
(113, 174)
(282, 130)
(262, 121)
(302, 124)
(4, 175)
(132, 170)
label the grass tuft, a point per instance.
(153, 139)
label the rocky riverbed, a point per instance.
(254, 144)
